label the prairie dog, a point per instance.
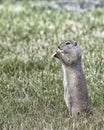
(75, 90)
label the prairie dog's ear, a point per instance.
(75, 43)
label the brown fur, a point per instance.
(75, 90)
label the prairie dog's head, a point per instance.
(68, 52)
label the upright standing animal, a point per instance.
(75, 90)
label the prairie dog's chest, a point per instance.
(69, 77)
(65, 77)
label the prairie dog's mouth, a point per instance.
(58, 51)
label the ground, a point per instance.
(31, 89)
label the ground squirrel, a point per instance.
(75, 90)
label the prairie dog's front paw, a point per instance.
(58, 53)
(61, 51)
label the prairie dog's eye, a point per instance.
(67, 43)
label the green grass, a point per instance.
(31, 89)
